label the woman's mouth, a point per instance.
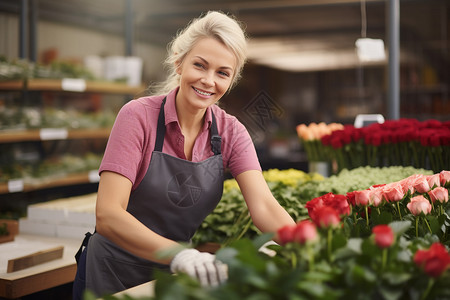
(203, 93)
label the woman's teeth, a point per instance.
(203, 93)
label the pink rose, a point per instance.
(384, 236)
(445, 177)
(376, 196)
(305, 231)
(418, 205)
(434, 180)
(407, 184)
(439, 194)
(393, 192)
(362, 197)
(421, 184)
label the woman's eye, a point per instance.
(199, 65)
(224, 73)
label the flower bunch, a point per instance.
(310, 136)
(403, 142)
(388, 241)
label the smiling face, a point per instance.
(206, 73)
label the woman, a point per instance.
(162, 172)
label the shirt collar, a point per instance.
(170, 111)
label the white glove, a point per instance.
(200, 265)
(266, 250)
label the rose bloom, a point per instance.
(418, 205)
(439, 194)
(362, 197)
(445, 177)
(305, 232)
(312, 204)
(286, 234)
(407, 184)
(376, 196)
(325, 217)
(393, 192)
(384, 236)
(338, 202)
(351, 198)
(434, 180)
(421, 184)
(434, 261)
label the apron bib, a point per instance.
(173, 199)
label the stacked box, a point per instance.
(66, 218)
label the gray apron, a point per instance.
(173, 199)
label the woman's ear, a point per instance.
(178, 64)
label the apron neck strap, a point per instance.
(216, 140)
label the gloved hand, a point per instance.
(266, 250)
(200, 265)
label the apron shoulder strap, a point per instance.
(216, 140)
(161, 129)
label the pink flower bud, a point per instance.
(418, 205)
(445, 177)
(376, 196)
(362, 197)
(421, 184)
(305, 232)
(439, 194)
(434, 180)
(393, 192)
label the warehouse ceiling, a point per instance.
(308, 34)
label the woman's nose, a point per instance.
(208, 79)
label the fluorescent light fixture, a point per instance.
(370, 50)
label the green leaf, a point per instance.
(396, 278)
(400, 227)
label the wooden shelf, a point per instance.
(65, 85)
(14, 136)
(72, 179)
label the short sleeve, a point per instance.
(242, 152)
(125, 148)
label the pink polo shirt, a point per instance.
(132, 139)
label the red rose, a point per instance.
(286, 234)
(434, 261)
(326, 139)
(325, 217)
(336, 142)
(384, 236)
(304, 232)
(338, 202)
(312, 205)
(351, 198)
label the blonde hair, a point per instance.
(220, 26)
